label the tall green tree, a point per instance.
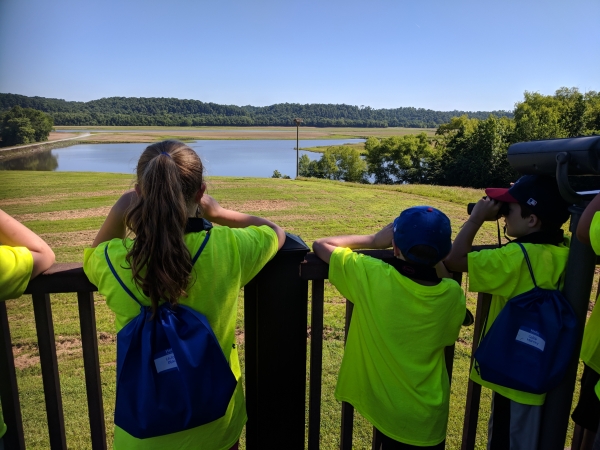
(399, 159)
(592, 112)
(24, 126)
(336, 163)
(473, 153)
(567, 113)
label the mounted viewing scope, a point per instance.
(540, 157)
(560, 157)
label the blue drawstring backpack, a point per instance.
(171, 372)
(530, 344)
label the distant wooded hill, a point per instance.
(132, 111)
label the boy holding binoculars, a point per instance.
(534, 213)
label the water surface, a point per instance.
(245, 158)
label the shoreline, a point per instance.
(148, 135)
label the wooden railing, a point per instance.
(58, 279)
(276, 309)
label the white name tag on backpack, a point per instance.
(531, 337)
(165, 361)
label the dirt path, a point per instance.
(26, 146)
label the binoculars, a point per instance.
(502, 212)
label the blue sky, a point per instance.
(443, 55)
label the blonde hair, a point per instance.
(169, 175)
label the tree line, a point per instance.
(24, 126)
(469, 152)
(132, 111)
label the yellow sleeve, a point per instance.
(256, 246)
(493, 271)
(347, 273)
(94, 262)
(595, 233)
(16, 265)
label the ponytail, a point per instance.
(169, 176)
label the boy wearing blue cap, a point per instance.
(536, 212)
(405, 314)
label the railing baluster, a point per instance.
(474, 389)
(347, 408)
(250, 365)
(347, 426)
(316, 364)
(376, 445)
(579, 432)
(47, 347)
(91, 364)
(9, 391)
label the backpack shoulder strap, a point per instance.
(528, 263)
(125, 288)
(114, 272)
(199, 252)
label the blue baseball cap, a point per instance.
(423, 225)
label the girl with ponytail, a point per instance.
(151, 234)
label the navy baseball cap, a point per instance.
(423, 225)
(540, 193)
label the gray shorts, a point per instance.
(522, 429)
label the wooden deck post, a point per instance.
(276, 307)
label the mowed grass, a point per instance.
(67, 209)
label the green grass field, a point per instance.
(67, 209)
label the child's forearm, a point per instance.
(324, 247)
(350, 241)
(442, 271)
(484, 210)
(585, 221)
(235, 219)
(15, 234)
(114, 225)
(212, 211)
(457, 259)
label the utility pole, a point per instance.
(297, 122)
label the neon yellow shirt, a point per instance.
(393, 371)
(231, 258)
(16, 264)
(503, 273)
(590, 347)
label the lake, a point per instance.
(242, 158)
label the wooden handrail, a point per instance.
(70, 278)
